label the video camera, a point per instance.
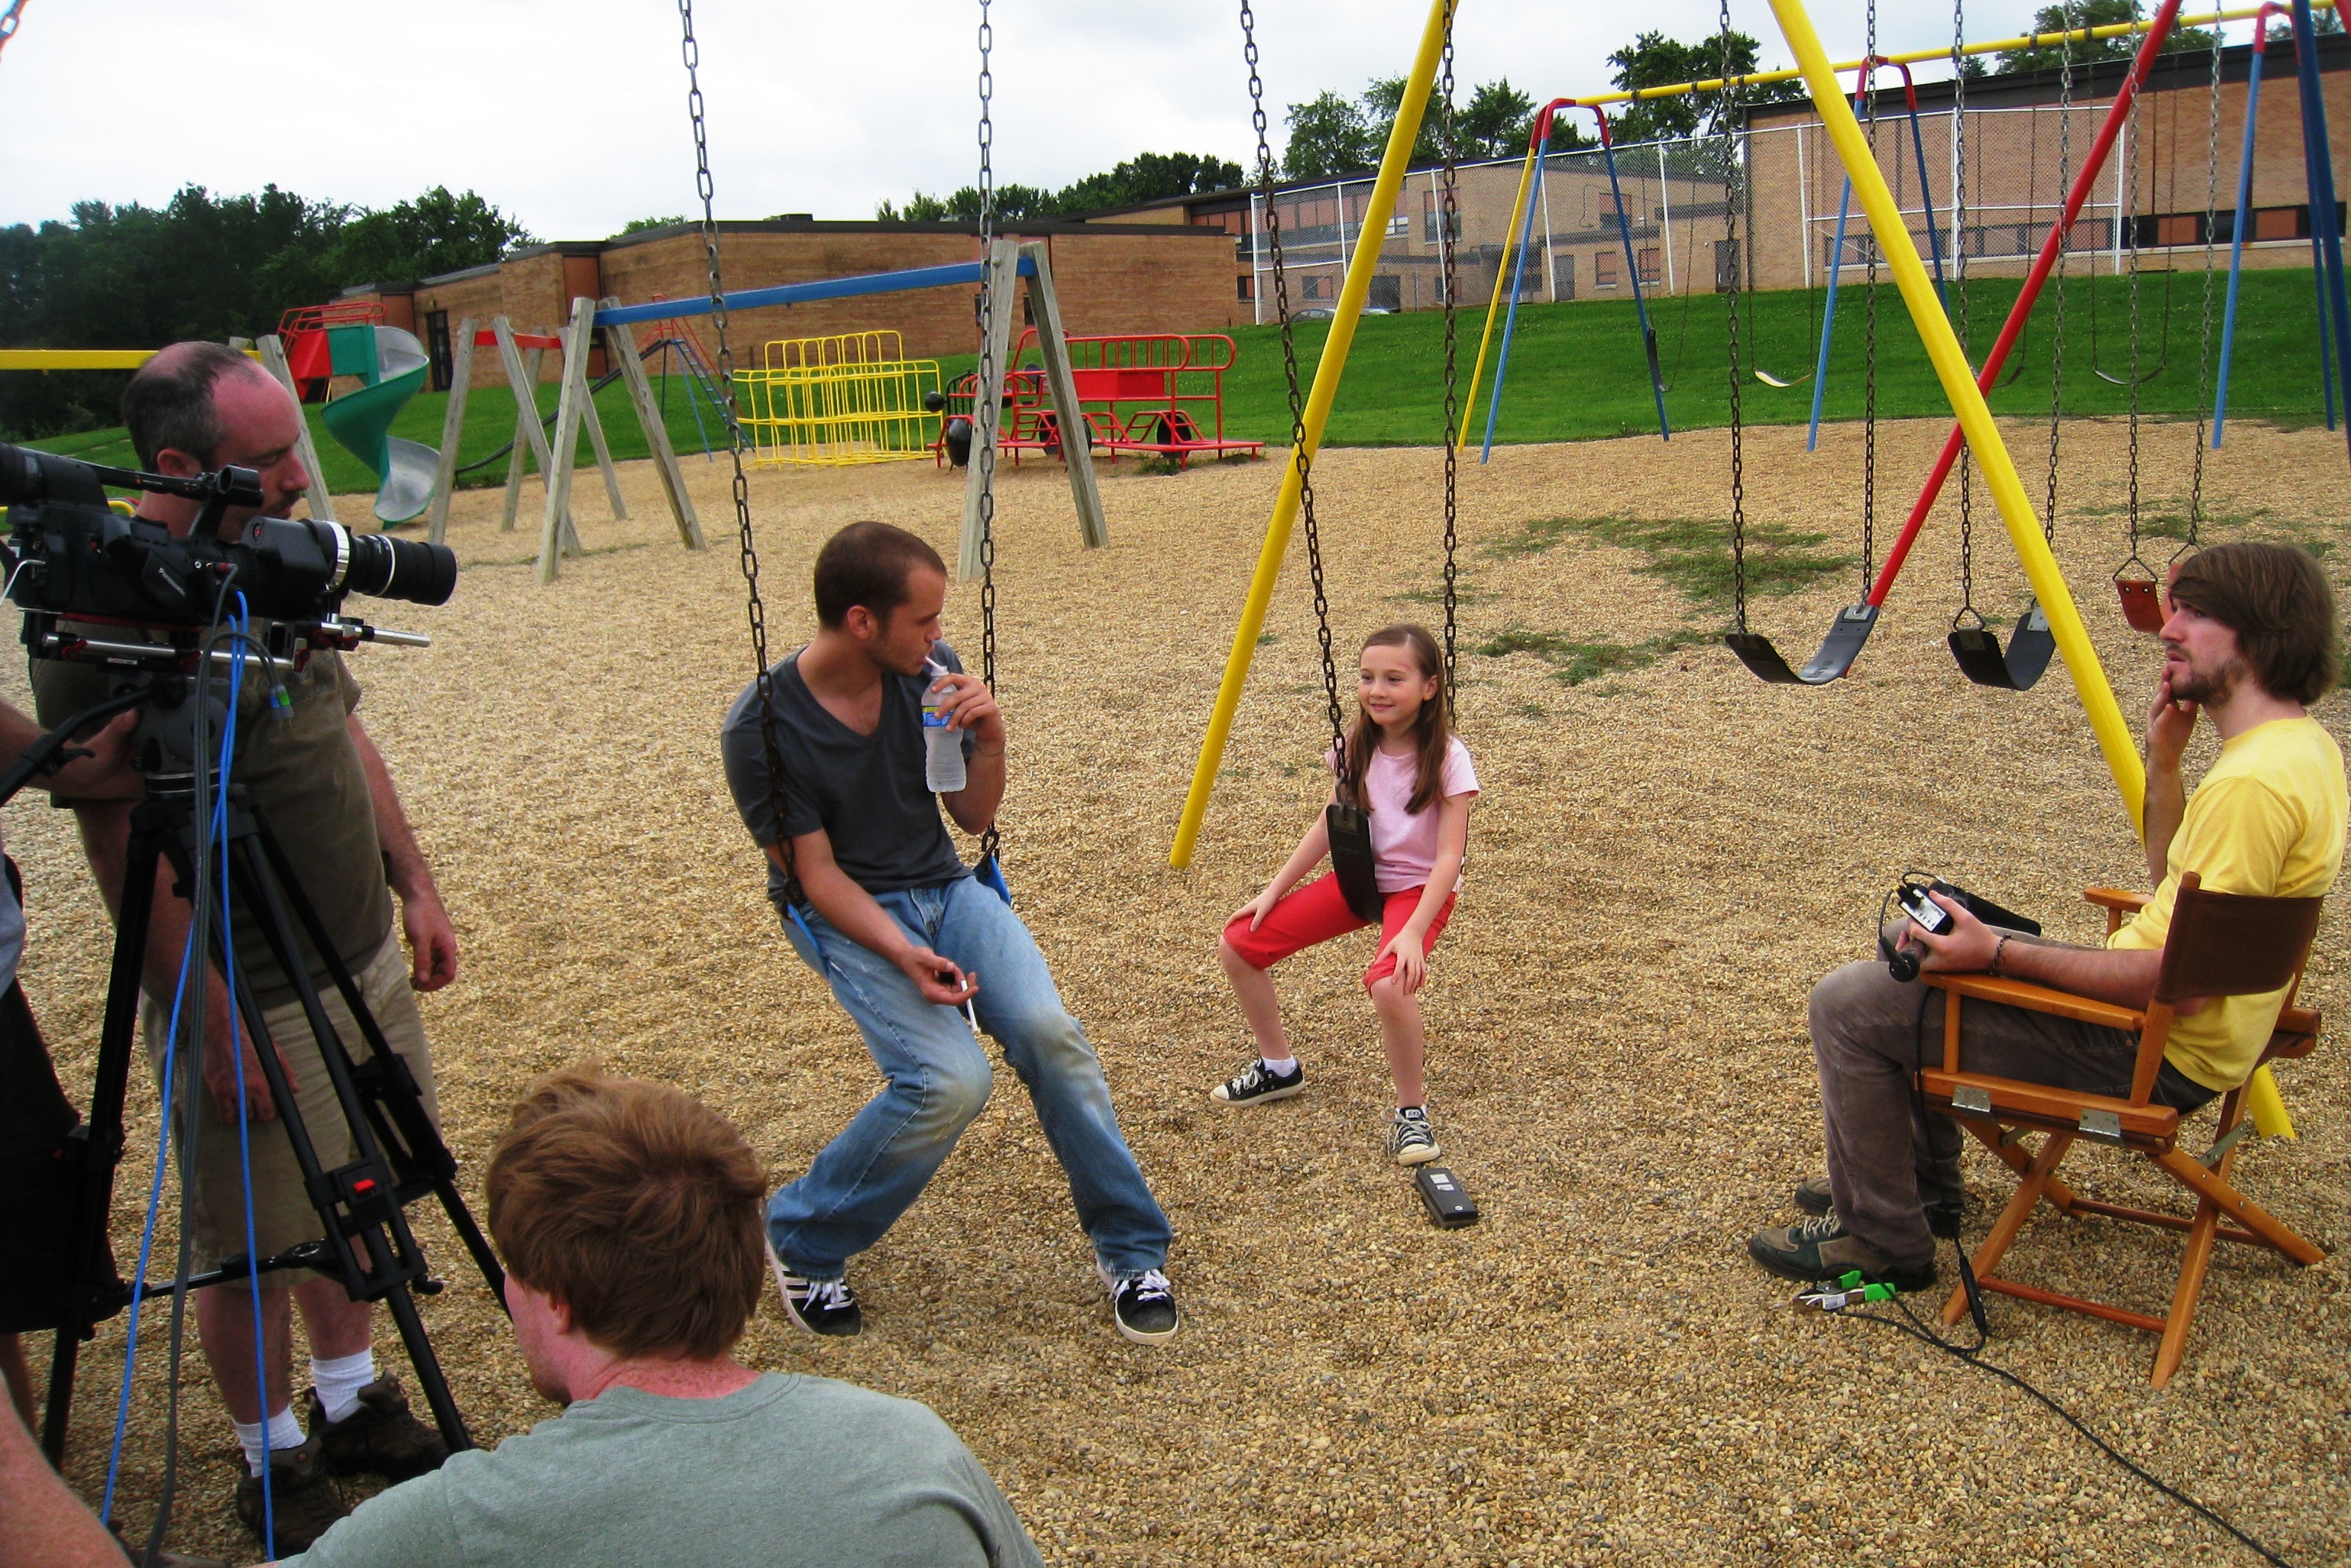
(75, 557)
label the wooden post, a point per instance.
(1077, 435)
(621, 345)
(523, 376)
(556, 540)
(603, 453)
(273, 358)
(453, 426)
(988, 399)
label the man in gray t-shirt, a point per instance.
(628, 1216)
(922, 954)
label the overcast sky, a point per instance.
(571, 116)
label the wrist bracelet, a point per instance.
(1998, 947)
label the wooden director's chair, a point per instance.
(2219, 944)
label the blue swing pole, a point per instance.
(1518, 272)
(1828, 319)
(1633, 268)
(2323, 221)
(2237, 239)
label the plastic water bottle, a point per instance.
(943, 772)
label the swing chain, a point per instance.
(2065, 243)
(1734, 189)
(1299, 455)
(1869, 335)
(2204, 351)
(2130, 288)
(1448, 219)
(1960, 289)
(757, 608)
(988, 305)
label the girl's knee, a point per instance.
(1386, 993)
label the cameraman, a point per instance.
(2249, 642)
(318, 778)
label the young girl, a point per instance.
(1415, 781)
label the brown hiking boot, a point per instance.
(380, 1437)
(302, 1498)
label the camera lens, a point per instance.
(407, 569)
(20, 475)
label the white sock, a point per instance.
(1281, 1066)
(339, 1381)
(285, 1432)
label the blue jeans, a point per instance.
(938, 1078)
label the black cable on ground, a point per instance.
(1973, 1356)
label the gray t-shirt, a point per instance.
(790, 1472)
(866, 791)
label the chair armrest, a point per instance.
(2117, 903)
(2039, 999)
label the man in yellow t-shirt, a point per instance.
(2249, 642)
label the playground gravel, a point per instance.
(1664, 859)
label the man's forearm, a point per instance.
(2124, 977)
(974, 805)
(2166, 802)
(404, 865)
(852, 911)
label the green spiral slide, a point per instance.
(392, 364)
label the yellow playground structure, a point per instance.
(833, 401)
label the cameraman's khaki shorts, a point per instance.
(282, 1213)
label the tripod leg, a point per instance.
(102, 1135)
(429, 1377)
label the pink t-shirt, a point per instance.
(1404, 845)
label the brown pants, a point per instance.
(1889, 1156)
(282, 1212)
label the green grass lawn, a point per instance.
(1577, 372)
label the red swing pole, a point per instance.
(2013, 328)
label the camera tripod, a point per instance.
(398, 1155)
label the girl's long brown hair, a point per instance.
(1432, 735)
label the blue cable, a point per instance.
(244, 1119)
(147, 1236)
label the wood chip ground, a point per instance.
(1663, 859)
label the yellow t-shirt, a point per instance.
(2268, 820)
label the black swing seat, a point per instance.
(1838, 650)
(2030, 649)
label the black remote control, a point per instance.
(1450, 1205)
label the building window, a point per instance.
(1603, 269)
(1652, 264)
(1247, 290)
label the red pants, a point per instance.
(1318, 912)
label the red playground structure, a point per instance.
(1160, 392)
(309, 352)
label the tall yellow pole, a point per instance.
(1494, 306)
(1887, 224)
(1358, 286)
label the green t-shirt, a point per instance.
(304, 773)
(789, 1472)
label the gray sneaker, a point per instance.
(1411, 1140)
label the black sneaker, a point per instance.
(827, 1307)
(1257, 1083)
(1820, 1249)
(302, 1498)
(379, 1438)
(1411, 1140)
(1143, 1305)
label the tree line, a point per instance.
(200, 266)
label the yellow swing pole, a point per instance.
(1327, 371)
(1886, 224)
(1494, 306)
